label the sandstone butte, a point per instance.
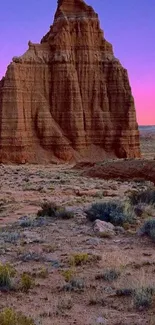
(67, 98)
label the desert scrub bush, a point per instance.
(115, 212)
(143, 297)
(124, 292)
(10, 269)
(146, 197)
(108, 275)
(68, 274)
(26, 222)
(26, 282)
(148, 229)
(2, 206)
(31, 256)
(76, 285)
(10, 236)
(139, 209)
(7, 272)
(79, 259)
(50, 209)
(9, 317)
(49, 248)
(43, 273)
(62, 213)
(64, 304)
(96, 300)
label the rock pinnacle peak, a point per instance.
(72, 6)
(69, 2)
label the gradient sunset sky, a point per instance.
(128, 24)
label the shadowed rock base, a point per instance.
(67, 98)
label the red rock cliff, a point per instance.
(68, 97)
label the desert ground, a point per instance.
(61, 270)
(147, 137)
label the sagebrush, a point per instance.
(148, 229)
(146, 197)
(10, 317)
(115, 212)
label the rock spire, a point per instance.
(68, 98)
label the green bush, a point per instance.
(76, 285)
(124, 292)
(26, 222)
(43, 273)
(10, 236)
(108, 275)
(68, 274)
(62, 213)
(148, 229)
(139, 209)
(152, 234)
(142, 298)
(6, 273)
(146, 197)
(50, 209)
(78, 259)
(114, 212)
(9, 317)
(97, 300)
(26, 282)
(64, 304)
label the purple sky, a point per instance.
(128, 24)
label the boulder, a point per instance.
(104, 229)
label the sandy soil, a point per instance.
(147, 140)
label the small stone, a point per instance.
(55, 263)
(104, 229)
(93, 241)
(101, 321)
(120, 230)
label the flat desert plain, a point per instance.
(60, 268)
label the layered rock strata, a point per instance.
(68, 97)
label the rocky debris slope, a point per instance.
(68, 97)
(129, 169)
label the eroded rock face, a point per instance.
(68, 97)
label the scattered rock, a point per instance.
(120, 230)
(55, 263)
(104, 229)
(31, 256)
(93, 241)
(101, 321)
(32, 237)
